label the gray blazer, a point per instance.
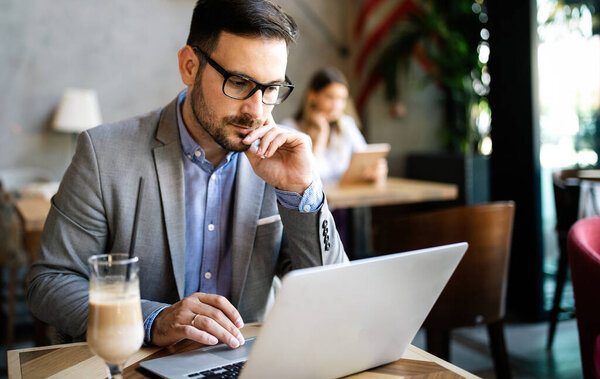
(93, 212)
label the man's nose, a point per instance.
(253, 106)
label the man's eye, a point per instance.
(238, 82)
(272, 89)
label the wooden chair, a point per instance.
(566, 187)
(475, 294)
(584, 258)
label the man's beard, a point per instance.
(206, 118)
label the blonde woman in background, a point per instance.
(334, 134)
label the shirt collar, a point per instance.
(191, 150)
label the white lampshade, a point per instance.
(77, 111)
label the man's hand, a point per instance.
(201, 317)
(283, 158)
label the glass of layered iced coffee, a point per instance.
(115, 328)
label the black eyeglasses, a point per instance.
(241, 87)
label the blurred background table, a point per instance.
(32, 212)
(393, 192)
(360, 201)
(588, 175)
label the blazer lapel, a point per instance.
(249, 191)
(169, 170)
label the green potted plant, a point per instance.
(445, 37)
(448, 39)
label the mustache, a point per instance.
(245, 120)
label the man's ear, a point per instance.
(188, 65)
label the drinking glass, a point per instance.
(115, 329)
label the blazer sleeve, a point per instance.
(75, 229)
(309, 239)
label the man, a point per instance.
(230, 199)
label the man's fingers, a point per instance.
(275, 144)
(272, 141)
(287, 139)
(217, 316)
(215, 322)
(221, 302)
(271, 138)
(195, 334)
(205, 318)
(257, 133)
(266, 139)
(212, 326)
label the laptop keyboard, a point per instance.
(223, 372)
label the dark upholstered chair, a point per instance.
(584, 258)
(475, 294)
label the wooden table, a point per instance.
(393, 191)
(360, 198)
(33, 212)
(589, 174)
(77, 361)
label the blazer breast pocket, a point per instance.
(268, 220)
(269, 226)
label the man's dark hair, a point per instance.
(253, 18)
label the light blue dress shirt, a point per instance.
(209, 193)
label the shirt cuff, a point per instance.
(148, 325)
(309, 202)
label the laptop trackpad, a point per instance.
(199, 360)
(226, 353)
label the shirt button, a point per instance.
(211, 227)
(189, 156)
(197, 153)
(207, 275)
(213, 176)
(306, 208)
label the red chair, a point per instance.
(597, 354)
(584, 259)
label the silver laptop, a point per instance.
(332, 321)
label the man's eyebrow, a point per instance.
(277, 81)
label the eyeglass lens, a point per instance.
(240, 88)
